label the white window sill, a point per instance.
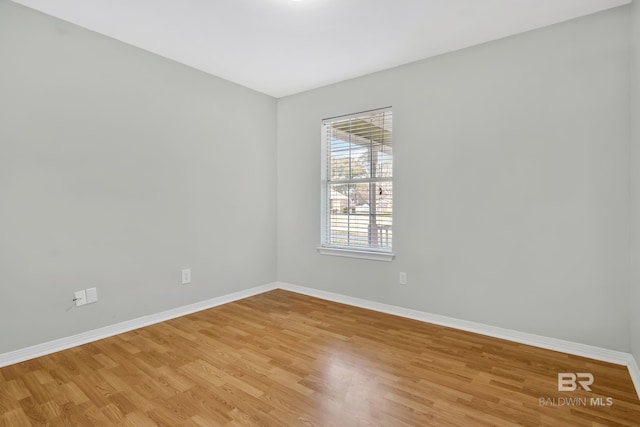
(354, 253)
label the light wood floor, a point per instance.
(284, 359)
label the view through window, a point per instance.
(358, 181)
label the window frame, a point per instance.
(326, 248)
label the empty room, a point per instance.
(319, 213)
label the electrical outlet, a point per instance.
(403, 278)
(186, 276)
(80, 298)
(92, 295)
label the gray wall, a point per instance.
(635, 182)
(511, 183)
(117, 169)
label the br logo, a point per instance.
(568, 381)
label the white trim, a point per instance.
(634, 371)
(569, 347)
(353, 115)
(43, 349)
(354, 253)
(592, 352)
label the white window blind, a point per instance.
(357, 184)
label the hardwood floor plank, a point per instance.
(15, 417)
(284, 359)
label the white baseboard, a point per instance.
(592, 352)
(634, 371)
(43, 349)
(569, 347)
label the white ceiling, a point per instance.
(281, 47)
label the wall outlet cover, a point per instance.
(80, 298)
(92, 295)
(186, 276)
(403, 278)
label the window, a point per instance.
(357, 185)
